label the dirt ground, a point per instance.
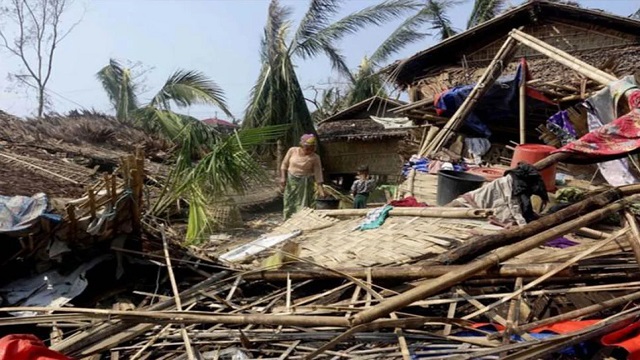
(256, 222)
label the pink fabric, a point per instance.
(308, 139)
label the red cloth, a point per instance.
(621, 136)
(409, 201)
(26, 347)
(563, 327)
(627, 338)
(634, 99)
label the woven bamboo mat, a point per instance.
(398, 240)
(425, 187)
(305, 220)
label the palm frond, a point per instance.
(317, 18)
(436, 10)
(407, 33)
(271, 41)
(188, 87)
(373, 15)
(227, 167)
(484, 10)
(277, 98)
(636, 15)
(315, 46)
(367, 84)
(120, 88)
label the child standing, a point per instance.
(362, 187)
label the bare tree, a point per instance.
(33, 37)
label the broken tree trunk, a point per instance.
(433, 287)
(404, 272)
(480, 245)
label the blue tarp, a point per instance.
(498, 104)
(19, 213)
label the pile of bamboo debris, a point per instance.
(430, 307)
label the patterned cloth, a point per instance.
(375, 218)
(560, 125)
(21, 212)
(363, 186)
(298, 194)
(612, 140)
(617, 138)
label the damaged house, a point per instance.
(357, 136)
(437, 78)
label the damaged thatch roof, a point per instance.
(60, 155)
(452, 50)
(354, 123)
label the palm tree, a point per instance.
(484, 10)
(366, 82)
(120, 88)
(206, 165)
(277, 97)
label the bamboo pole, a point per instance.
(553, 272)
(433, 131)
(437, 212)
(432, 287)
(174, 287)
(634, 241)
(407, 272)
(488, 78)
(578, 313)
(479, 245)
(562, 57)
(523, 105)
(99, 335)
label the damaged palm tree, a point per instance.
(277, 96)
(206, 165)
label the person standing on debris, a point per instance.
(300, 167)
(362, 187)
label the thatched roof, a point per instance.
(354, 123)
(450, 51)
(59, 154)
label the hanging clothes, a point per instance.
(616, 172)
(527, 182)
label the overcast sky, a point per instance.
(218, 37)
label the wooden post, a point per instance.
(523, 104)
(432, 287)
(562, 57)
(488, 78)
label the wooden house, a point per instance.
(351, 138)
(606, 41)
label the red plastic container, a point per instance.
(532, 153)
(488, 173)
